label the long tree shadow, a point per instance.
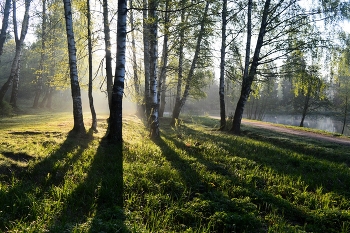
(292, 213)
(238, 216)
(329, 174)
(289, 210)
(34, 183)
(99, 198)
(294, 142)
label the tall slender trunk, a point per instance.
(153, 29)
(345, 114)
(15, 86)
(5, 23)
(134, 64)
(181, 103)
(108, 53)
(115, 119)
(49, 97)
(43, 101)
(177, 108)
(146, 58)
(305, 108)
(163, 72)
(19, 46)
(222, 66)
(247, 82)
(79, 127)
(39, 84)
(91, 99)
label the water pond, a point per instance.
(322, 122)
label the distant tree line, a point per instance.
(271, 55)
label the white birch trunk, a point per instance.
(176, 109)
(107, 38)
(74, 81)
(115, 118)
(153, 29)
(135, 66)
(39, 80)
(15, 85)
(19, 45)
(91, 99)
(5, 22)
(146, 59)
(222, 66)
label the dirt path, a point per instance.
(320, 137)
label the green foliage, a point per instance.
(193, 179)
(307, 84)
(342, 77)
(202, 79)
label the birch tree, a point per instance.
(146, 59)
(89, 37)
(136, 76)
(154, 104)
(277, 21)
(249, 76)
(108, 52)
(180, 101)
(164, 61)
(19, 46)
(222, 65)
(115, 119)
(4, 26)
(79, 127)
(39, 81)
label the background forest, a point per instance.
(226, 58)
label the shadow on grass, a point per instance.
(212, 210)
(300, 144)
(314, 172)
(99, 198)
(95, 203)
(311, 165)
(259, 195)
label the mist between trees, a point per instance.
(231, 59)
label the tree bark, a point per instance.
(5, 23)
(49, 98)
(39, 84)
(107, 38)
(134, 65)
(19, 45)
(153, 29)
(91, 99)
(163, 72)
(247, 82)
(345, 114)
(146, 59)
(222, 66)
(15, 86)
(79, 127)
(177, 105)
(305, 108)
(181, 103)
(115, 119)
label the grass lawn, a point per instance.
(194, 179)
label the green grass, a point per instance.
(194, 179)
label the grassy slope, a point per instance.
(194, 179)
